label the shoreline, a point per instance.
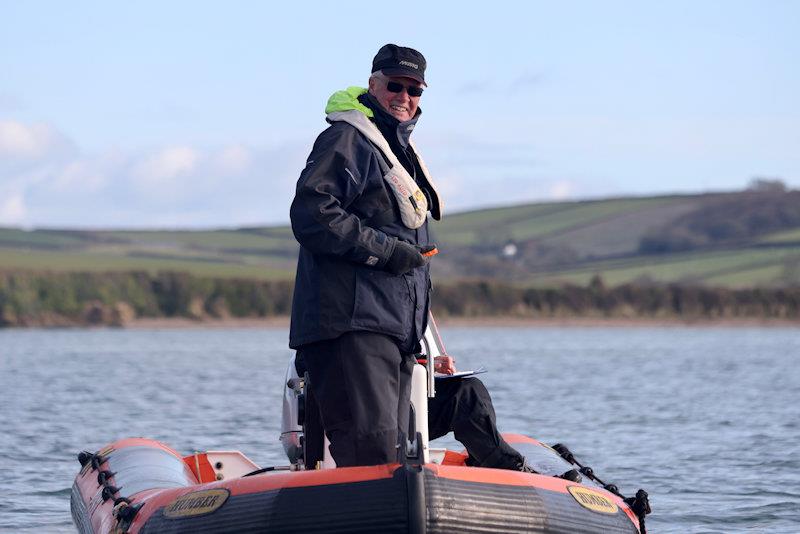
(183, 323)
(282, 322)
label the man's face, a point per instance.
(402, 106)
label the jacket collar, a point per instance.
(388, 123)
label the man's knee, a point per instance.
(475, 387)
(473, 394)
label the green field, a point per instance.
(98, 261)
(39, 238)
(790, 236)
(737, 268)
(204, 240)
(579, 215)
(560, 242)
(547, 221)
(468, 228)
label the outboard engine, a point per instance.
(292, 416)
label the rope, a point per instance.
(640, 504)
(123, 510)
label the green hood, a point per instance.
(347, 100)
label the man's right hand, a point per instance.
(444, 364)
(404, 258)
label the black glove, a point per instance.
(404, 258)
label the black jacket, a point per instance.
(347, 223)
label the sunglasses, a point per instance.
(397, 87)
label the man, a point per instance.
(362, 288)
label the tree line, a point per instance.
(117, 298)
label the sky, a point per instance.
(201, 114)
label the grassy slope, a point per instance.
(10, 237)
(580, 215)
(597, 229)
(619, 233)
(789, 236)
(210, 240)
(225, 253)
(47, 260)
(602, 234)
(597, 226)
(737, 268)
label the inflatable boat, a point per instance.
(139, 485)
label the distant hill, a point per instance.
(742, 239)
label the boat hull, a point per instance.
(427, 498)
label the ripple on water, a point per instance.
(702, 418)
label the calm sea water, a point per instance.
(707, 420)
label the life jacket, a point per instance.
(412, 201)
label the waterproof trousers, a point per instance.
(360, 383)
(463, 406)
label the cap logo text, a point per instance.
(409, 64)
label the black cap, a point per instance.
(395, 60)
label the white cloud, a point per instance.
(29, 141)
(167, 164)
(233, 159)
(79, 174)
(46, 181)
(561, 190)
(12, 209)
(168, 186)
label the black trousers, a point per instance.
(361, 383)
(463, 406)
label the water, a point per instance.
(705, 419)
